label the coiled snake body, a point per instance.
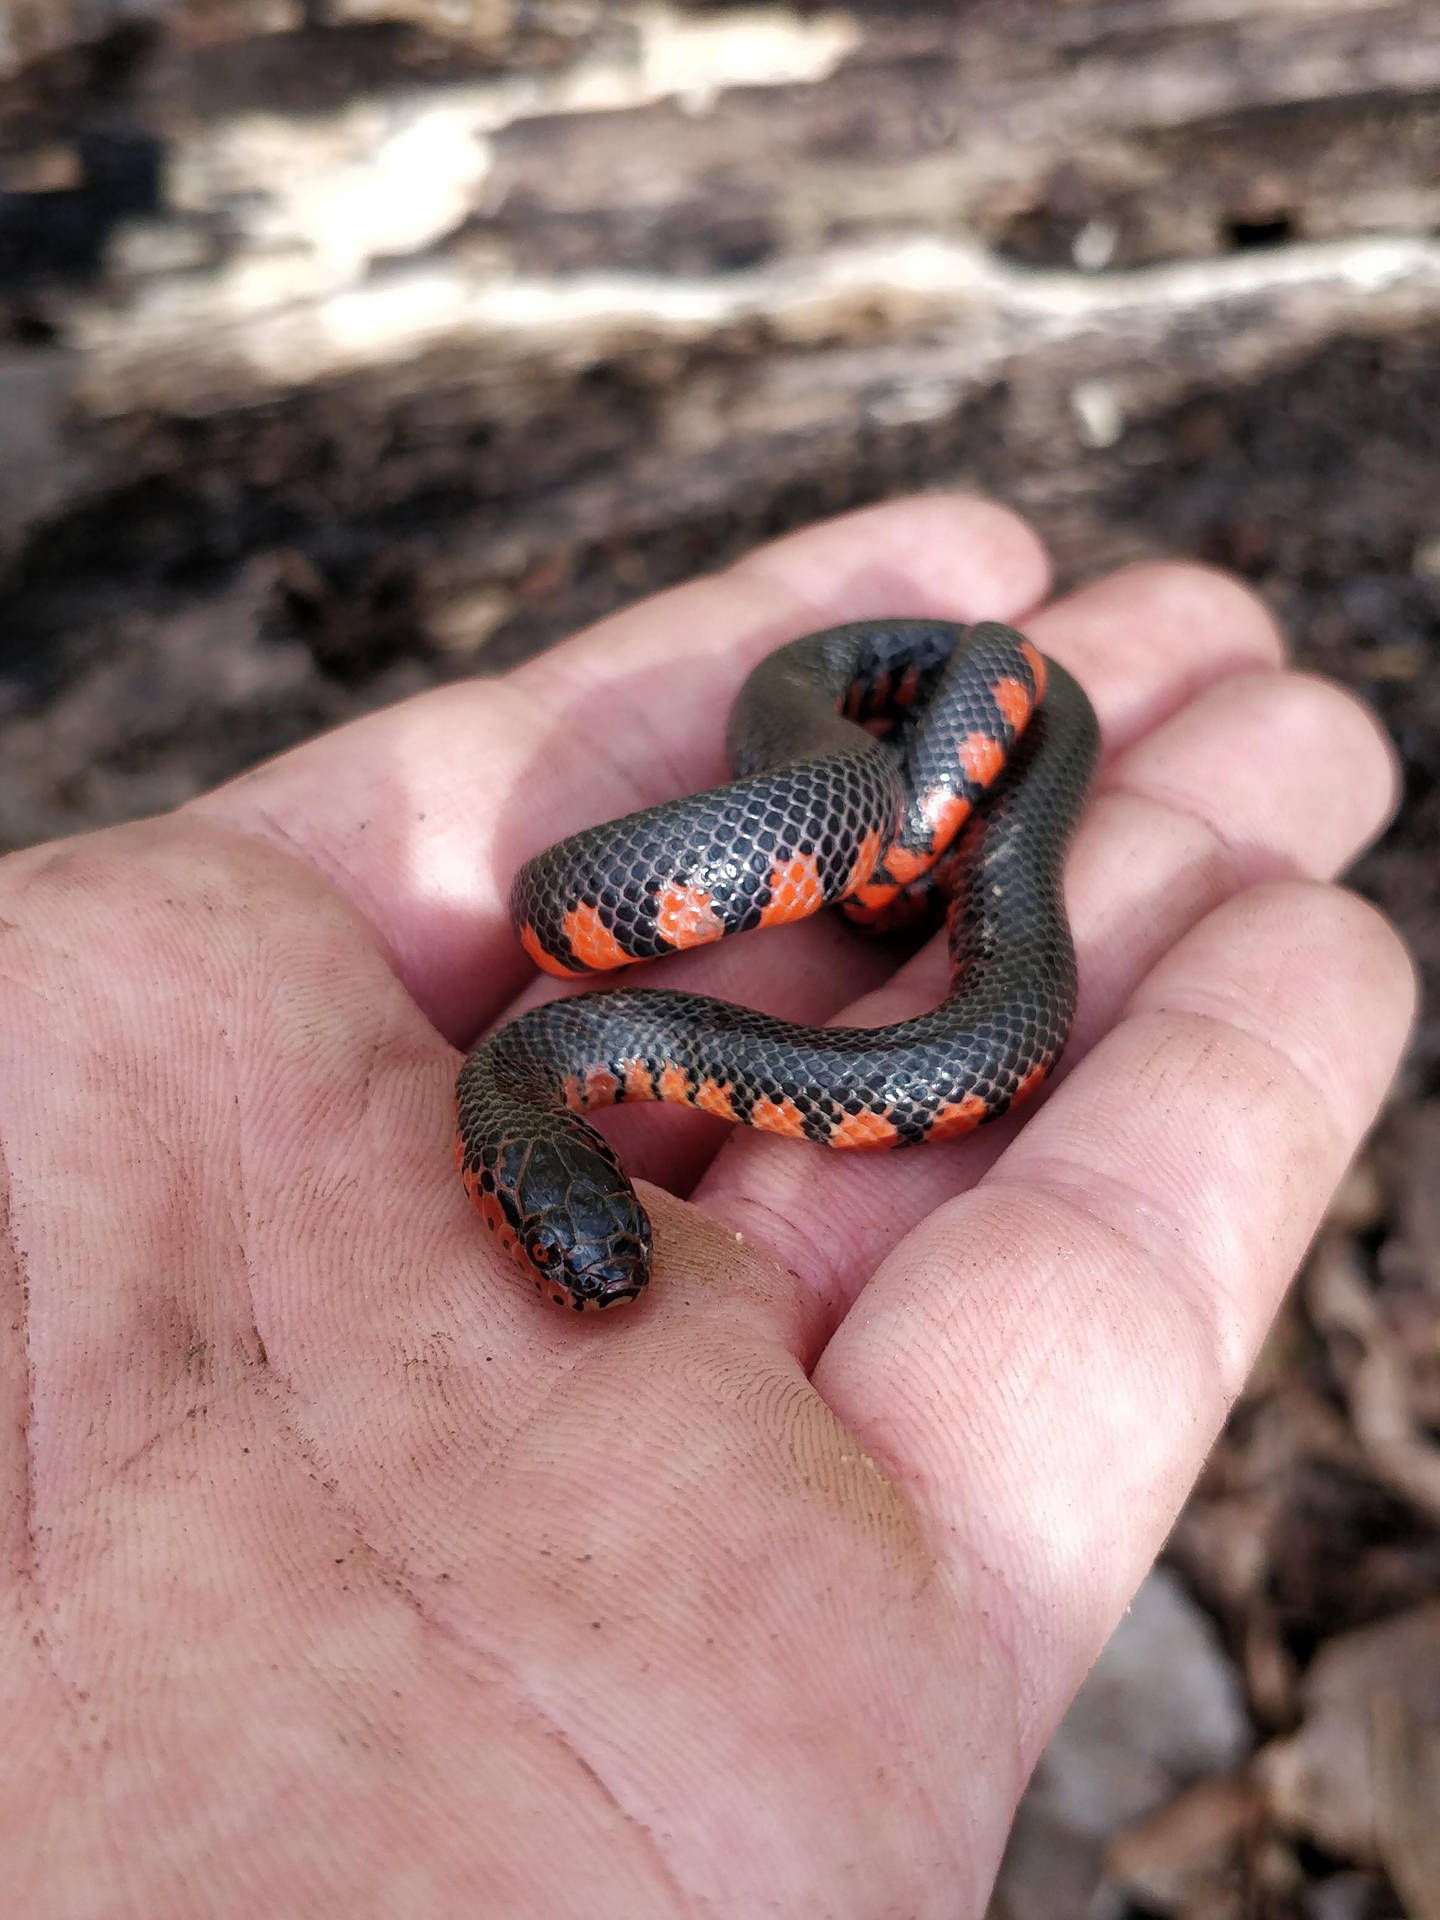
(862, 756)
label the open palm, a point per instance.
(343, 1576)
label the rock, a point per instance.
(1161, 1708)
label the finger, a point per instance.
(1146, 639)
(1238, 786)
(421, 814)
(1046, 1360)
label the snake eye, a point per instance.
(542, 1250)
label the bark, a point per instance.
(407, 342)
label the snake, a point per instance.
(903, 769)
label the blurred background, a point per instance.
(351, 346)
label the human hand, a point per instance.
(346, 1577)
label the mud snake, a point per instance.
(861, 756)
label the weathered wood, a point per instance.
(419, 338)
(323, 204)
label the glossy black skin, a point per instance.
(999, 1029)
(584, 1235)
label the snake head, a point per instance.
(582, 1232)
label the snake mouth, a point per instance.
(608, 1286)
(597, 1303)
(615, 1292)
(618, 1297)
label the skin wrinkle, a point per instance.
(1286, 1063)
(29, 1501)
(1008, 1628)
(897, 1541)
(198, 1410)
(1019, 1600)
(688, 1900)
(1231, 863)
(222, 1394)
(1019, 1592)
(75, 1703)
(942, 1572)
(918, 1527)
(382, 1033)
(1024, 1600)
(1002, 1631)
(1218, 859)
(9, 979)
(1238, 859)
(792, 1411)
(275, 830)
(816, 1298)
(1152, 1260)
(664, 777)
(1228, 606)
(339, 880)
(956, 1319)
(792, 1393)
(242, 1222)
(1007, 1608)
(564, 1368)
(398, 1581)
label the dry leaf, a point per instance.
(1330, 1780)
